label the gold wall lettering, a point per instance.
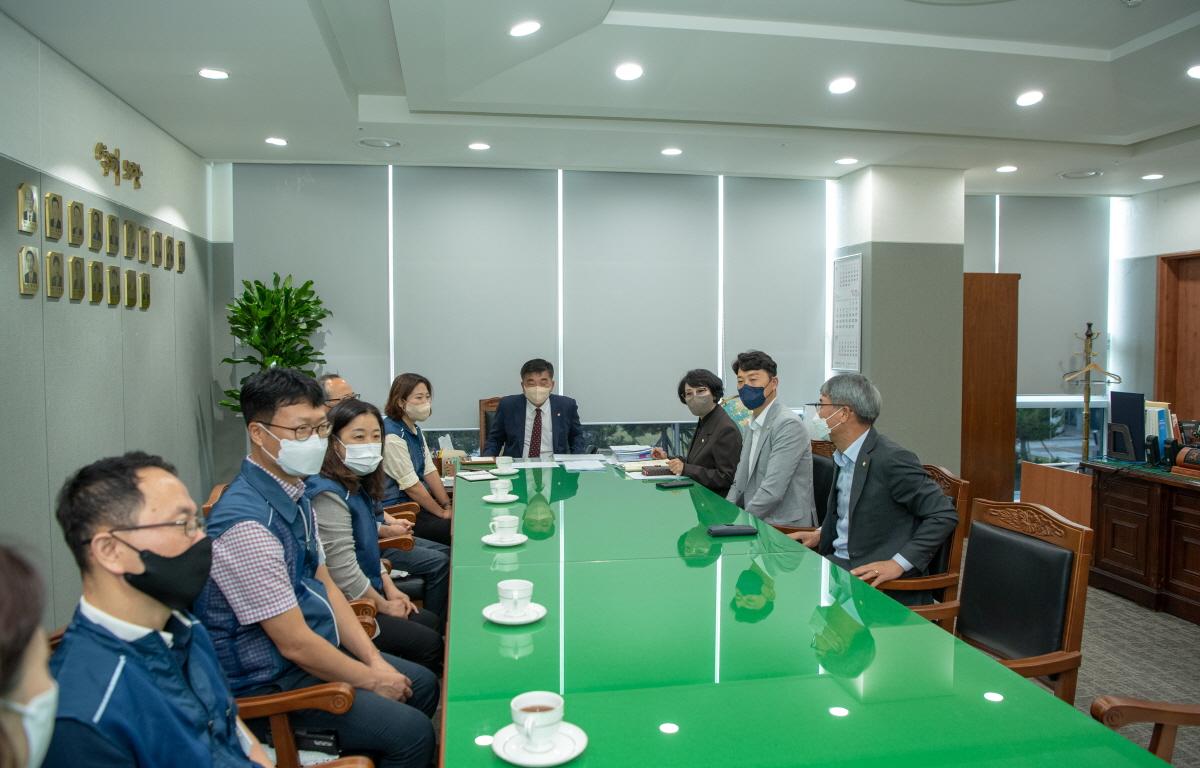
(111, 162)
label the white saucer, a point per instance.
(507, 498)
(492, 540)
(504, 472)
(495, 614)
(569, 743)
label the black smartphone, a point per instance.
(676, 484)
(732, 530)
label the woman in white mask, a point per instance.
(28, 695)
(716, 446)
(345, 500)
(412, 473)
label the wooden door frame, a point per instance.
(1165, 331)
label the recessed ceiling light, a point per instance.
(378, 143)
(839, 711)
(1080, 174)
(1152, 177)
(1007, 169)
(993, 696)
(478, 146)
(214, 74)
(1029, 98)
(628, 71)
(842, 85)
(669, 728)
(1194, 72)
(672, 151)
(275, 140)
(525, 28)
(846, 160)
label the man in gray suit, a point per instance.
(887, 518)
(773, 481)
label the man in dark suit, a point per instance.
(535, 423)
(887, 518)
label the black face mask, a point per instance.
(173, 581)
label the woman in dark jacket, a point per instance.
(716, 446)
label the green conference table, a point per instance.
(754, 651)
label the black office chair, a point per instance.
(823, 472)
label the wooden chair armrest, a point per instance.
(1046, 664)
(937, 612)
(1116, 711)
(921, 583)
(335, 698)
(349, 762)
(403, 543)
(387, 565)
(363, 608)
(786, 529)
(406, 511)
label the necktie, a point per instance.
(535, 435)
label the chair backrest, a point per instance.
(214, 497)
(1024, 582)
(487, 412)
(949, 559)
(823, 472)
(823, 448)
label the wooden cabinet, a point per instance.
(1147, 541)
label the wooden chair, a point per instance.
(1116, 711)
(823, 448)
(950, 559)
(214, 497)
(1023, 590)
(335, 698)
(487, 410)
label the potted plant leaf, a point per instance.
(275, 323)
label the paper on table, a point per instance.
(534, 464)
(589, 465)
(567, 458)
(445, 443)
(640, 476)
(476, 474)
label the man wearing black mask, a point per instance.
(142, 683)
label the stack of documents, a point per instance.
(584, 465)
(473, 475)
(624, 453)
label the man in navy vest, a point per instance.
(277, 618)
(140, 678)
(535, 423)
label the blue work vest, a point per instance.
(393, 493)
(163, 705)
(362, 523)
(248, 655)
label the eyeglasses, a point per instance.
(304, 431)
(832, 405)
(191, 526)
(336, 400)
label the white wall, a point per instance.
(55, 114)
(1167, 221)
(888, 204)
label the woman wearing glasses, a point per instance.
(713, 455)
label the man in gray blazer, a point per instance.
(773, 481)
(887, 518)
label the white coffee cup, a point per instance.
(504, 527)
(537, 715)
(504, 462)
(500, 488)
(515, 595)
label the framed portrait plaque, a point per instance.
(143, 248)
(27, 270)
(144, 289)
(168, 253)
(75, 277)
(156, 243)
(55, 278)
(75, 225)
(130, 239)
(114, 286)
(95, 282)
(27, 208)
(53, 216)
(112, 231)
(95, 229)
(131, 286)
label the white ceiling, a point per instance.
(739, 85)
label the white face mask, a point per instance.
(37, 719)
(818, 427)
(301, 458)
(362, 458)
(419, 411)
(537, 395)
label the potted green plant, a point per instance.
(276, 323)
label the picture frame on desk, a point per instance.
(53, 216)
(55, 278)
(27, 270)
(75, 223)
(75, 277)
(27, 208)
